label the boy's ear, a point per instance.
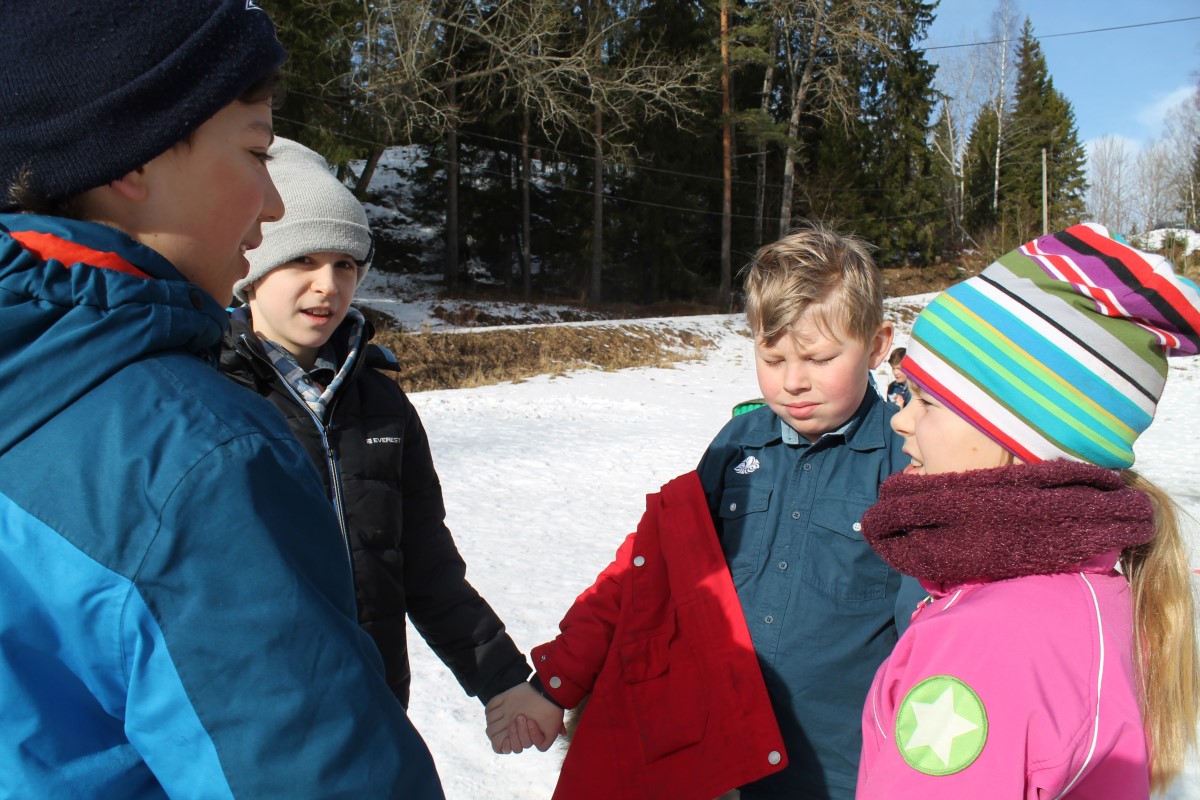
(881, 344)
(132, 185)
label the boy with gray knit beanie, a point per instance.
(177, 619)
(300, 344)
(322, 215)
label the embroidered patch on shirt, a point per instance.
(941, 727)
(746, 467)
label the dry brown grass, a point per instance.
(467, 358)
(463, 359)
(1190, 266)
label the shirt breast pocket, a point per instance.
(838, 561)
(743, 513)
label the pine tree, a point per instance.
(319, 105)
(663, 220)
(1042, 119)
(979, 216)
(903, 209)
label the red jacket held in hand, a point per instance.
(678, 708)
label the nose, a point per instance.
(902, 422)
(273, 207)
(323, 278)
(795, 378)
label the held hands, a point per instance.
(517, 718)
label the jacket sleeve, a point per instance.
(568, 665)
(241, 646)
(923, 738)
(457, 623)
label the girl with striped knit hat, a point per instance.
(1056, 653)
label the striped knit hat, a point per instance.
(1059, 349)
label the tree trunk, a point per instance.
(726, 296)
(594, 293)
(760, 203)
(1001, 102)
(451, 265)
(960, 202)
(363, 181)
(799, 97)
(996, 165)
(526, 268)
(789, 169)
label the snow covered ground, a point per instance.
(544, 478)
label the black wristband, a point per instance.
(536, 683)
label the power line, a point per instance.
(610, 197)
(1068, 33)
(554, 152)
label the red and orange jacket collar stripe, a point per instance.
(47, 247)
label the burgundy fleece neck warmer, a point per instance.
(993, 524)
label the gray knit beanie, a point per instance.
(320, 215)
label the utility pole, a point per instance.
(1045, 200)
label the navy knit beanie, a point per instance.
(93, 89)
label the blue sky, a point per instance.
(1119, 82)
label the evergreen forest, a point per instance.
(642, 150)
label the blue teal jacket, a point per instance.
(820, 604)
(178, 616)
(898, 388)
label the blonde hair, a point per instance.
(1164, 632)
(817, 270)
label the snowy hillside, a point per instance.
(1153, 240)
(544, 478)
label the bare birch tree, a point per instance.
(1157, 199)
(960, 87)
(1181, 134)
(1004, 36)
(1111, 182)
(821, 43)
(768, 88)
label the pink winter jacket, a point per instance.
(1021, 688)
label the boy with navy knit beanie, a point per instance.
(300, 344)
(178, 618)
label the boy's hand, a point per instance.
(519, 718)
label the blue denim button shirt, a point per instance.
(820, 604)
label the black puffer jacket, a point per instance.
(374, 458)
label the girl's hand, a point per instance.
(520, 718)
